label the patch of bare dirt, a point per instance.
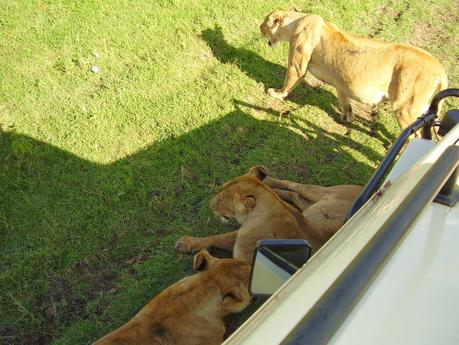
(387, 12)
(365, 111)
(62, 303)
(425, 34)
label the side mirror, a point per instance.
(274, 262)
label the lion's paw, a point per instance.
(347, 118)
(188, 244)
(276, 94)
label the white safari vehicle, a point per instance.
(390, 275)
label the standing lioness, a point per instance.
(362, 69)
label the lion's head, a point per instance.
(236, 198)
(276, 25)
(233, 275)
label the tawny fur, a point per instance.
(362, 69)
(263, 214)
(191, 311)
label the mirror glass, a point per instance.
(275, 261)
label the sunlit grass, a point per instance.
(101, 172)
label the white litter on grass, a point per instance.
(94, 69)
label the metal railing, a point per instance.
(424, 122)
(320, 323)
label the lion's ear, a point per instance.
(277, 18)
(236, 299)
(259, 172)
(203, 260)
(294, 8)
(245, 203)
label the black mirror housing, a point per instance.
(274, 262)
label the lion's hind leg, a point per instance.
(311, 193)
(409, 112)
(410, 96)
(293, 198)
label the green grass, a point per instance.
(101, 172)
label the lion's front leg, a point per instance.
(291, 79)
(298, 60)
(188, 244)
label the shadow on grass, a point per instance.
(84, 246)
(268, 73)
(320, 137)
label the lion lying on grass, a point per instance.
(363, 69)
(264, 213)
(191, 311)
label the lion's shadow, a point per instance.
(268, 73)
(272, 75)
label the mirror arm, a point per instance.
(284, 264)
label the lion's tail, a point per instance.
(442, 85)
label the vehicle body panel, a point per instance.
(414, 299)
(274, 321)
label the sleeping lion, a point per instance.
(263, 207)
(191, 311)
